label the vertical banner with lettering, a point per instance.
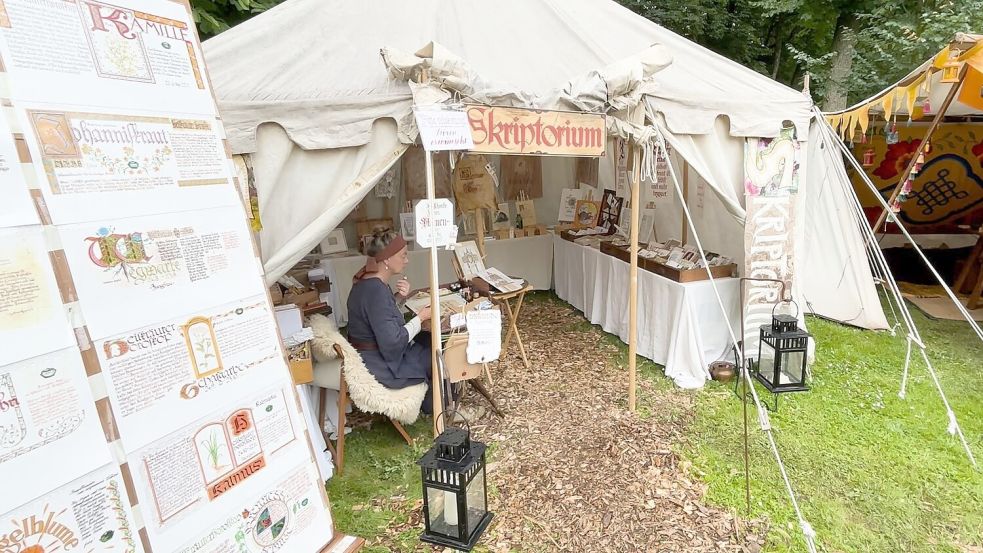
(772, 168)
(145, 402)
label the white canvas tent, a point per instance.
(303, 90)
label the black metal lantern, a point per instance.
(455, 496)
(783, 354)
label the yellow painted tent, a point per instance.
(946, 193)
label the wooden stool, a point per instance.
(974, 261)
(330, 375)
(505, 300)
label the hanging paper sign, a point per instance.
(435, 227)
(517, 131)
(621, 169)
(443, 129)
(484, 335)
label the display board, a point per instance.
(145, 401)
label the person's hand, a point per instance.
(424, 314)
(403, 287)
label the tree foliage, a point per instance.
(878, 42)
(214, 16)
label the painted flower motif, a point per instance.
(896, 159)
(978, 152)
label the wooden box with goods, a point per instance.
(687, 275)
(619, 252)
(301, 364)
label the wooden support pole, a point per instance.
(921, 147)
(436, 378)
(635, 156)
(685, 233)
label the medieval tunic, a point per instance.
(374, 318)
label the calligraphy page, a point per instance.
(192, 475)
(32, 316)
(133, 272)
(176, 370)
(91, 513)
(47, 418)
(290, 516)
(16, 207)
(88, 53)
(97, 164)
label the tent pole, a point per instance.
(635, 155)
(685, 198)
(921, 147)
(436, 379)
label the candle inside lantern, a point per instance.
(450, 508)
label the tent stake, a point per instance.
(634, 153)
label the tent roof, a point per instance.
(904, 98)
(314, 66)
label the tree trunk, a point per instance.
(776, 60)
(844, 46)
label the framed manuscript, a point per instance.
(586, 213)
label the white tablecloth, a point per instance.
(530, 258)
(680, 326)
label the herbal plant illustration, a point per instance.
(212, 449)
(121, 56)
(203, 346)
(129, 163)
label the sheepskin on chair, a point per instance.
(366, 393)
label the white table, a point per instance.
(530, 258)
(680, 326)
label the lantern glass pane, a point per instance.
(443, 512)
(792, 367)
(476, 501)
(766, 362)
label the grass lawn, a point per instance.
(873, 473)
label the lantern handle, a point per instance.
(780, 302)
(456, 412)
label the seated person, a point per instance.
(396, 353)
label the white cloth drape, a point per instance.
(680, 325)
(304, 195)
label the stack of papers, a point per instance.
(450, 302)
(500, 280)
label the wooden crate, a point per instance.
(619, 252)
(687, 275)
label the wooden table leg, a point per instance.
(488, 374)
(515, 322)
(480, 388)
(974, 299)
(508, 334)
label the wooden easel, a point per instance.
(975, 260)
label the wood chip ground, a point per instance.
(573, 470)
